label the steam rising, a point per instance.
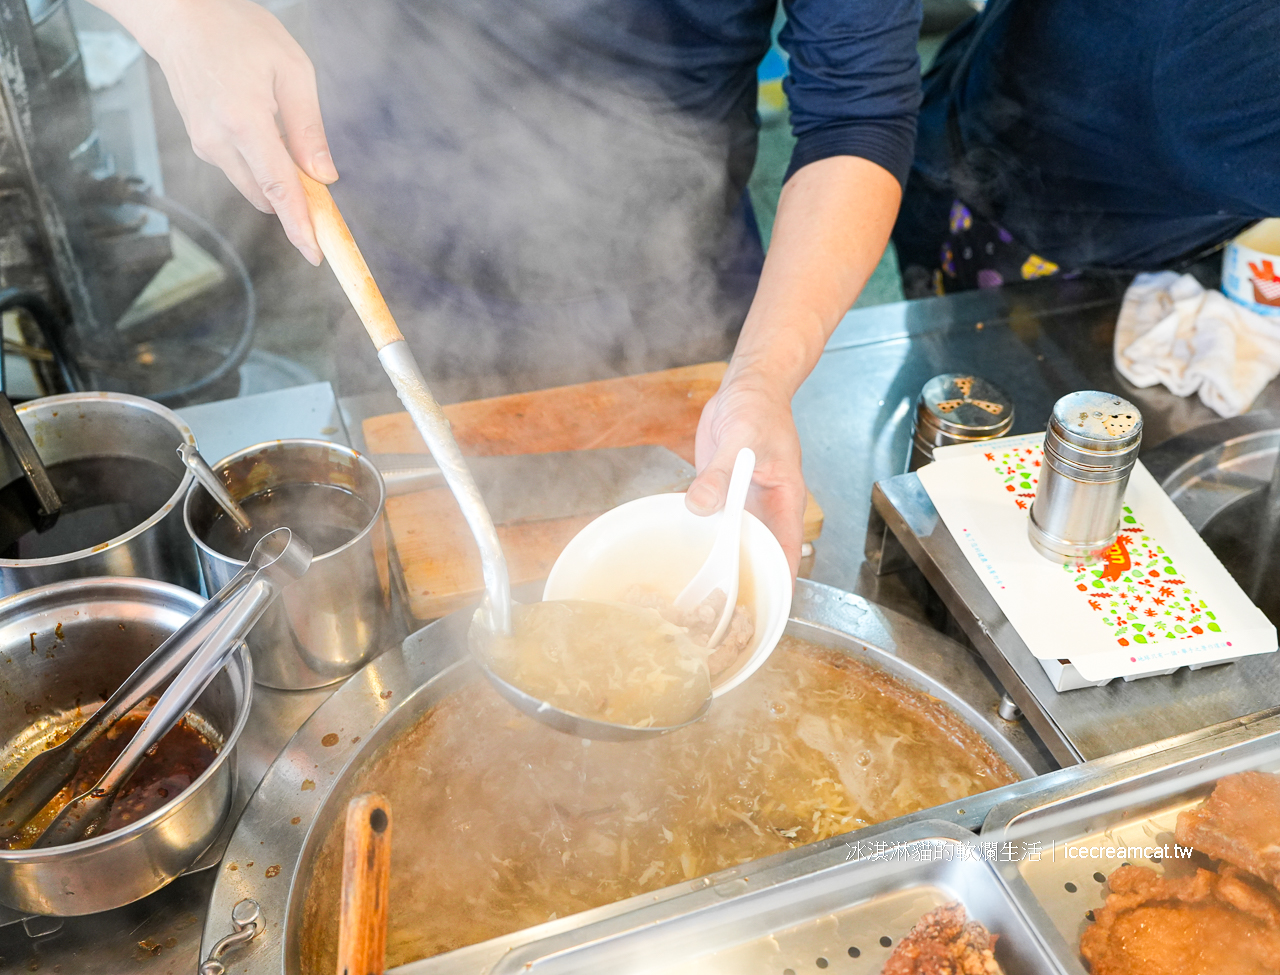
(555, 228)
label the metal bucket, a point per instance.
(337, 617)
(80, 426)
(63, 649)
(306, 789)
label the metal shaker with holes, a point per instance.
(953, 408)
(1090, 447)
(957, 408)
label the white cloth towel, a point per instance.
(1172, 331)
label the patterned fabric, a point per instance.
(980, 254)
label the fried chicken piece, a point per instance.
(1241, 891)
(944, 942)
(1206, 923)
(1239, 823)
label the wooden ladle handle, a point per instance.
(348, 264)
(366, 886)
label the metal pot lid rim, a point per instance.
(72, 399)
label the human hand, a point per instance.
(750, 414)
(240, 79)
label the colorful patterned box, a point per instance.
(1154, 602)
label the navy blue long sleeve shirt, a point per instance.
(591, 155)
(853, 80)
(852, 87)
(1118, 134)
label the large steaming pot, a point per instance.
(64, 647)
(310, 782)
(77, 426)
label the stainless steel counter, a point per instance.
(1037, 341)
(1090, 722)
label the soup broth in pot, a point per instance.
(502, 823)
(324, 515)
(102, 497)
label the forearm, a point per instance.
(144, 19)
(833, 222)
(832, 225)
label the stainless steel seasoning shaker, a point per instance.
(953, 408)
(1090, 448)
(957, 408)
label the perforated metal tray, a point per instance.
(840, 910)
(1115, 815)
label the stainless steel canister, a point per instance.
(953, 408)
(1090, 448)
(82, 426)
(957, 408)
(338, 616)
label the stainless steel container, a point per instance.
(63, 649)
(81, 426)
(1090, 448)
(338, 616)
(843, 909)
(1114, 811)
(957, 408)
(323, 766)
(952, 408)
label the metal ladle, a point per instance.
(353, 274)
(33, 469)
(575, 724)
(44, 776)
(494, 615)
(282, 558)
(213, 484)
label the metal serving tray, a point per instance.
(843, 908)
(1081, 826)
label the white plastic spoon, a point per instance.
(720, 570)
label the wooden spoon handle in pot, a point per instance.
(348, 264)
(366, 886)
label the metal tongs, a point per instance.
(195, 652)
(49, 505)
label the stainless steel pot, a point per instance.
(338, 616)
(63, 649)
(78, 426)
(289, 816)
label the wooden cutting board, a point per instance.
(440, 561)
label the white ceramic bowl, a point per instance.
(658, 543)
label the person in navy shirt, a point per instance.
(1086, 134)
(555, 189)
